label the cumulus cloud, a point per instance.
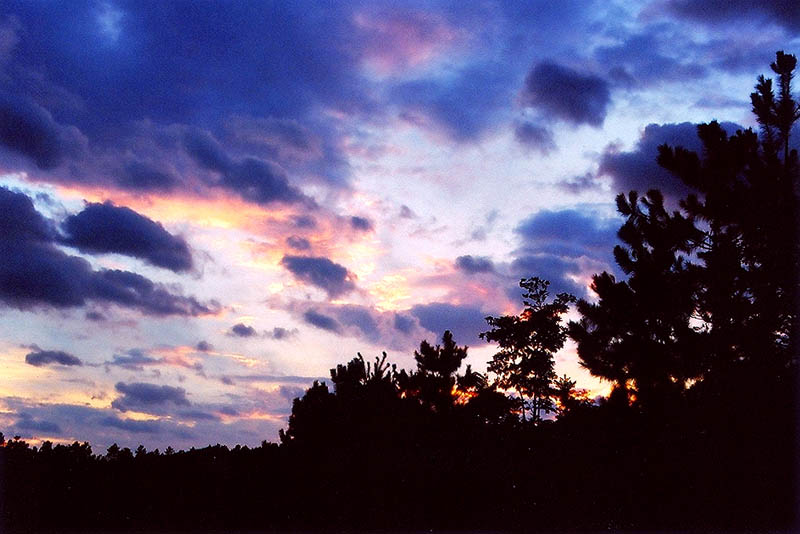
(320, 272)
(474, 264)
(242, 330)
(638, 169)
(39, 358)
(565, 94)
(33, 272)
(145, 397)
(204, 346)
(26, 422)
(253, 179)
(28, 129)
(107, 228)
(560, 245)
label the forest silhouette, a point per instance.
(699, 340)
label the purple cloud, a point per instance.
(47, 357)
(565, 94)
(320, 272)
(144, 396)
(104, 227)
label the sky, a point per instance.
(205, 206)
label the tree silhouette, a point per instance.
(527, 343)
(639, 333)
(434, 381)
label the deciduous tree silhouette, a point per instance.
(527, 344)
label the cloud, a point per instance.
(28, 129)
(474, 264)
(130, 425)
(104, 227)
(565, 94)
(535, 137)
(465, 322)
(282, 333)
(47, 357)
(137, 359)
(560, 245)
(33, 272)
(37, 425)
(143, 396)
(253, 179)
(320, 272)
(361, 224)
(134, 360)
(638, 170)
(142, 176)
(242, 330)
(204, 346)
(298, 243)
(569, 232)
(780, 12)
(463, 106)
(641, 60)
(322, 321)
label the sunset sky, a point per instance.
(205, 206)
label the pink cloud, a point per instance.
(397, 42)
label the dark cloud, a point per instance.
(320, 272)
(130, 425)
(780, 12)
(30, 130)
(33, 272)
(565, 94)
(37, 425)
(638, 170)
(465, 322)
(142, 176)
(282, 333)
(204, 346)
(568, 232)
(243, 330)
(404, 323)
(535, 137)
(144, 396)
(253, 179)
(321, 321)
(133, 360)
(95, 316)
(107, 228)
(557, 244)
(474, 264)
(47, 357)
(361, 318)
(361, 224)
(19, 220)
(298, 243)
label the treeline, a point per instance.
(699, 341)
